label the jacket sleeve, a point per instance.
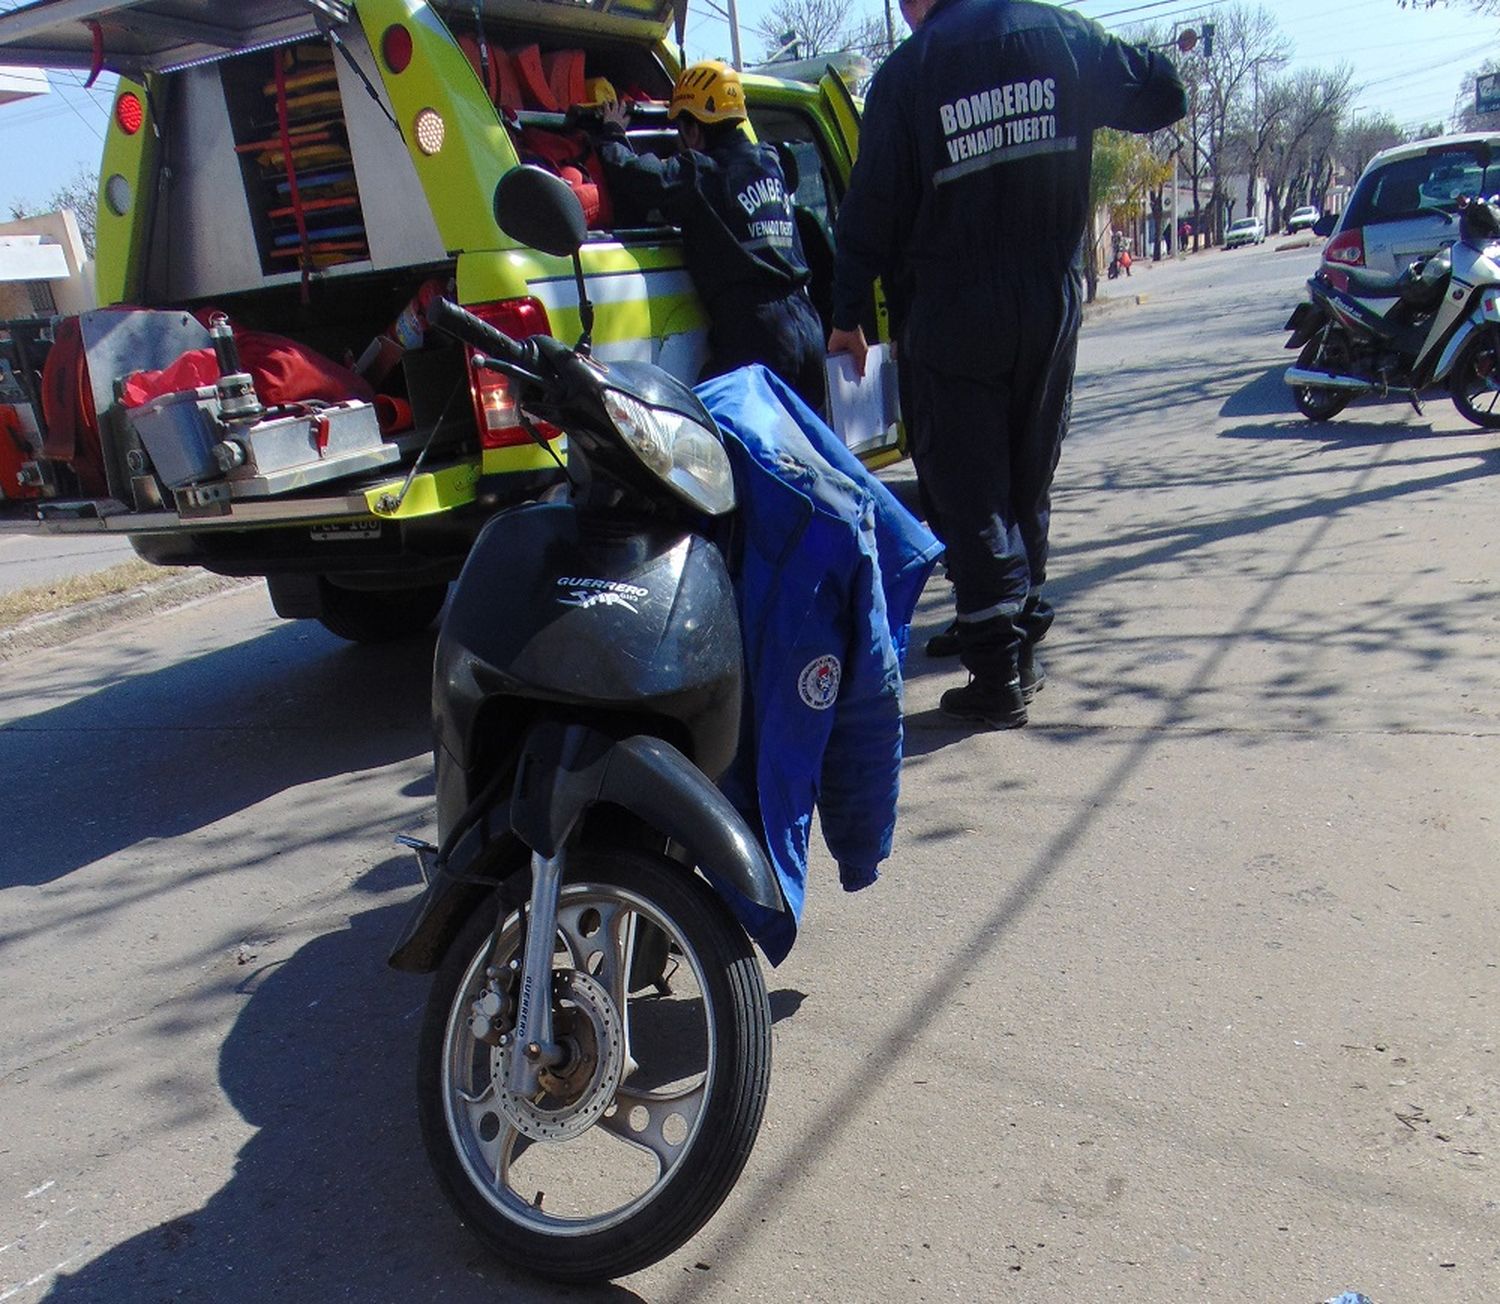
(861, 772)
(878, 209)
(644, 181)
(1134, 89)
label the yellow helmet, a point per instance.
(709, 91)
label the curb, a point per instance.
(57, 627)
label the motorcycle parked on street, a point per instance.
(1365, 332)
(595, 1055)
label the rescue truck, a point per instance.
(285, 184)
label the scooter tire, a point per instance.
(455, 1073)
(1476, 372)
(1317, 402)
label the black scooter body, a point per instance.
(559, 608)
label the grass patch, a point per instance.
(41, 599)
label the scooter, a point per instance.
(595, 1053)
(1366, 332)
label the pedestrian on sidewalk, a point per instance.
(973, 179)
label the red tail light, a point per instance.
(396, 48)
(494, 406)
(129, 115)
(1348, 248)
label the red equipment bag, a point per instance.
(571, 154)
(535, 90)
(564, 69)
(284, 373)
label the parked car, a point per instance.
(1404, 205)
(1302, 219)
(1247, 231)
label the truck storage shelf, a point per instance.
(110, 516)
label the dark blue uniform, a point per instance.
(971, 188)
(746, 260)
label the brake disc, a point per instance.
(576, 1093)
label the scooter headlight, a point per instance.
(687, 456)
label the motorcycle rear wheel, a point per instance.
(1318, 402)
(632, 1146)
(1474, 383)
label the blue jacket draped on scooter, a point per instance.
(828, 567)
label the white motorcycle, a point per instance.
(1365, 332)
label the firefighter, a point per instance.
(973, 179)
(739, 232)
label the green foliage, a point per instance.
(1124, 172)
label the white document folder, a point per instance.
(863, 412)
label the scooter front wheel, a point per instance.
(634, 1140)
(1474, 384)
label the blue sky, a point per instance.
(1410, 64)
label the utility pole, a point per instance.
(1184, 43)
(734, 34)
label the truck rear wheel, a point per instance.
(380, 615)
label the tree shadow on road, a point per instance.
(332, 1197)
(161, 754)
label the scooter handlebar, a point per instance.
(448, 316)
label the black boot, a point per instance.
(999, 703)
(944, 644)
(1032, 674)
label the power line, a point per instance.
(1191, 11)
(1408, 74)
(1134, 9)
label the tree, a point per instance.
(1248, 49)
(1364, 138)
(81, 195)
(1491, 7)
(804, 29)
(1300, 116)
(1123, 172)
(1465, 116)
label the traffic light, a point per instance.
(1208, 40)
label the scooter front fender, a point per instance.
(566, 768)
(564, 771)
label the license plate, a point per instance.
(346, 532)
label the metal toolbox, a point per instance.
(308, 447)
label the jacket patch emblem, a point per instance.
(600, 593)
(818, 684)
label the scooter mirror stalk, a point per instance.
(539, 209)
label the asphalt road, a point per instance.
(1188, 991)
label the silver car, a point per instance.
(1247, 231)
(1405, 203)
(1302, 219)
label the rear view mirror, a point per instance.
(1325, 224)
(541, 211)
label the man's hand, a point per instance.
(852, 343)
(615, 113)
